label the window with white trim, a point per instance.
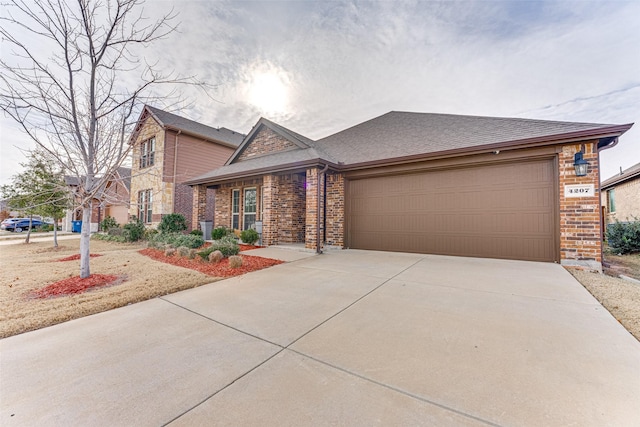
(145, 206)
(147, 153)
(250, 208)
(235, 209)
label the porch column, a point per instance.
(270, 210)
(199, 206)
(312, 219)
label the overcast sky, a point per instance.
(320, 67)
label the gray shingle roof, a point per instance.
(397, 135)
(632, 172)
(401, 134)
(189, 126)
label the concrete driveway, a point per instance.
(347, 338)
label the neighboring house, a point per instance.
(112, 201)
(621, 196)
(427, 183)
(168, 150)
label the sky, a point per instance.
(318, 67)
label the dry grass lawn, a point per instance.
(29, 267)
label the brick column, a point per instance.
(335, 209)
(580, 233)
(222, 212)
(311, 216)
(270, 210)
(199, 205)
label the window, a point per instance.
(612, 200)
(249, 208)
(145, 203)
(147, 153)
(235, 209)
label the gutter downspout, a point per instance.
(318, 243)
(175, 168)
(603, 220)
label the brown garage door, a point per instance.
(497, 211)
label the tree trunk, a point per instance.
(29, 230)
(55, 232)
(85, 239)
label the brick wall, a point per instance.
(290, 208)
(199, 204)
(627, 201)
(335, 209)
(264, 142)
(580, 234)
(184, 203)
(222, 197)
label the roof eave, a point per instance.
(262, 171)
(610, 132)
(619, 180)
(197, 135)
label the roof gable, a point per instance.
(172, 121)
(631, 173)
(267, 137)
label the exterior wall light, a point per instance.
(581, 165)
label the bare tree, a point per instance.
(68, 84)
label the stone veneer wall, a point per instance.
(151, 177)
(627, 201)
(266, 141)
(580, 234)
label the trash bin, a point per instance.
(206, 227)
(76, 226)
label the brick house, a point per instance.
(112, 201)
(427, 183)
(167, 151)
(621, 196)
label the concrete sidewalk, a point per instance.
(346, 338)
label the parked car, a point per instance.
(19, 224)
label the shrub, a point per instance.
(227, 246)
(108, 223)
(133, 231)
(624, 237)
(45, 227)
(249, 236)
(109, 238)
(115, 231)
(196, 232)
(235, 261)
(149, 233)
(215, 257)
(170, 252)
(192, 253)
(175, 239)
(172, 223)
(183, 251)
(220, 232)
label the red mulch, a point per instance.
(73, 285)
(76, 257)
(221, 269)
(249, 247)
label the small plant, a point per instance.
(176, 239)
(249, 236)
(133, 231)
(192, 253)
(228, 246)
(170, 252)
(220, 232)
(172, 223)
(115, 231)
(108, 223)
(196, 232)
(183, 251)
(235, 261)
(624, 237)
(215, 257)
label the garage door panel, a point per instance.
(499, 211)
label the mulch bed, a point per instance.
(76, 257)
(249, 247)
(221, 269)
(74, 285)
